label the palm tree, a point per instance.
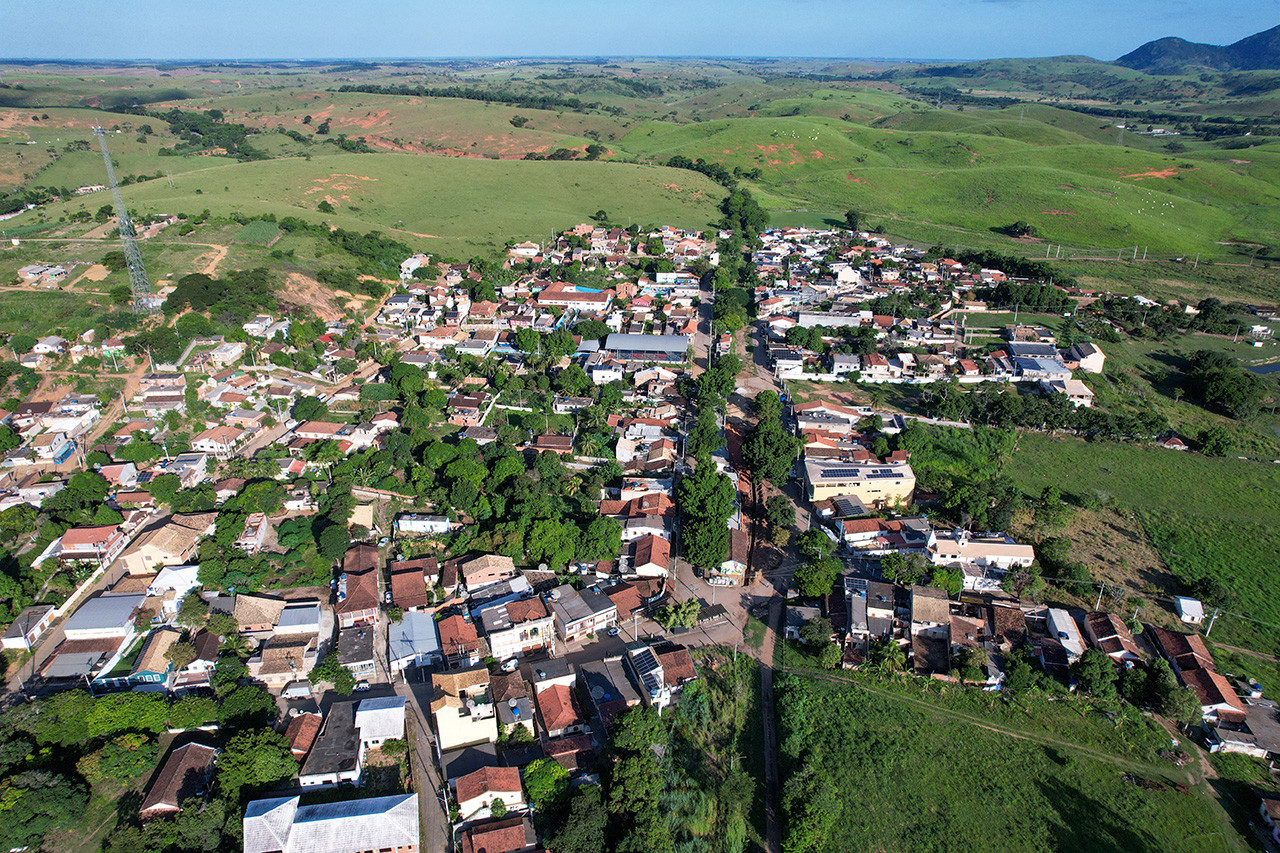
(888, 657)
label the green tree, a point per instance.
(547, 783)
(333, 542)
(247, 706)
(852, 219)
(585, 826)
(815, 578)
(903, 568)
(1216, 441)
(817, 631)
(254, 760)
(1096, 674)
(1182, 706)
(683, 614)
(328, 669)
(887, 656)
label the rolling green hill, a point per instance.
(447, 204)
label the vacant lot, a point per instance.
(1214, 522)
(881, 774)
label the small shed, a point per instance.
(1190, 610)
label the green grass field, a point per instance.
(885, 775)
(1214, 522)
(447, 204)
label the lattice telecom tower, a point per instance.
(138, 281)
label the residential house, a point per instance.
(579, 613)
(355, 651)
(459, 642)
(476, 792)
(874, 485)
(27, 627)
(1062, 625)
(100, 544)
(219, 442)
(172, 541)
(486, 570)
(518, 627)
(409, 583)
(1108, 632)
(508, 834)
(559, 712)
(185, 774)
(930, 611)
(413, 640)
(463, 710)
(357, 603)
(417, 523)
(652, 557)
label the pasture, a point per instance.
(863, 771)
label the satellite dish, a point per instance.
(542, 567)
(597, 693)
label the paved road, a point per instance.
(434, 830)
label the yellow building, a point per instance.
(876, 485)
(463, 709)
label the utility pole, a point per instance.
(1098, 605)
(1216, 614)
(139, 284)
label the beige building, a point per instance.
(876, 485)
(463, 709)
(172, 542)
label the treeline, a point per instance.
(714, 171)
(201, 131)
(377, 254)
(469, 93)
(1014, 265)
(1001, 408)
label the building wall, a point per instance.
(455, 729)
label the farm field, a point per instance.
(871, 772)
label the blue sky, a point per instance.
(962, 29)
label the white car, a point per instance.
(613, 632)
(510, 665)
(362, 685)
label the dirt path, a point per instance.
(219, 252)
(772, 818)
(1263, 656)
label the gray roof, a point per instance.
(573, 605)
(647, 343)
(299, 616)
(369, 824)
(414, 635)
(459, 762)
(106, 611)
(1029, 349)
(25, 620)
(336, 750)
(381, 718)
(607, 681)
(355, 645)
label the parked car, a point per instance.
(613, 632)
(362, 685)
(511, 665)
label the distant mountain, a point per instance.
(1178, 56)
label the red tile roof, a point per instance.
(457, 635)
(559, 708)
(302, 733)
(488, 780)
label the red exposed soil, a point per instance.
(1162, 173)
(850, 177)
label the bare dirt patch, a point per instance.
(97, 272)
(304, 291)
(1114, 545)
(850, 177)
(1160, 173)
